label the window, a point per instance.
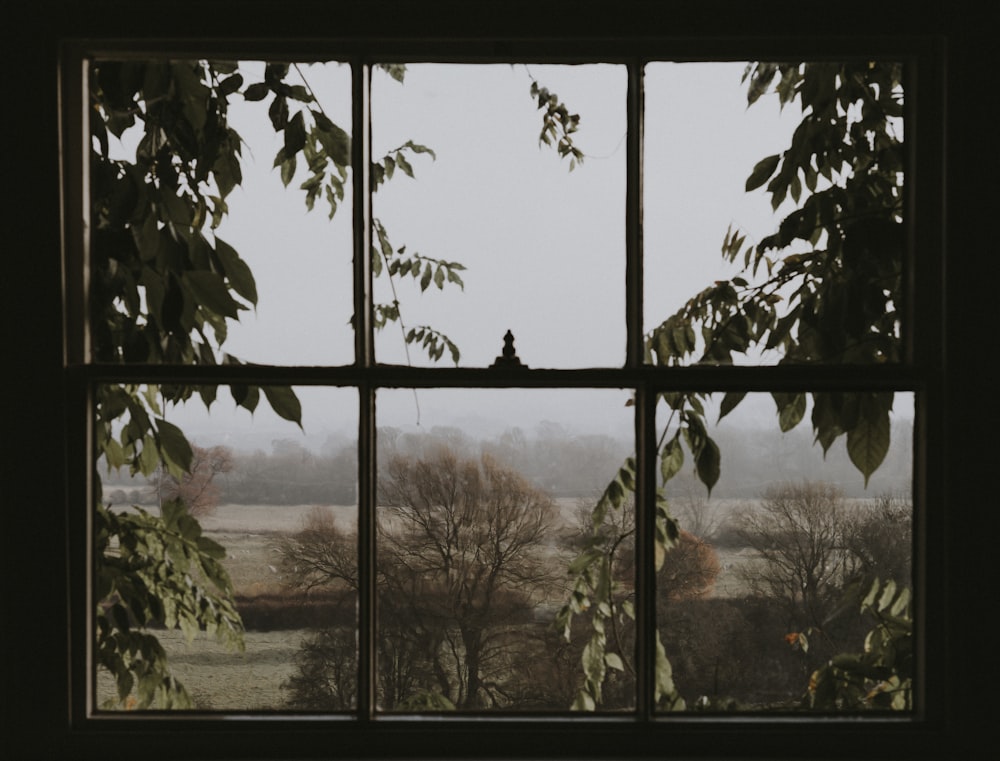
(370, 388)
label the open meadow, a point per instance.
(279, 617)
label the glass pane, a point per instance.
(766, 583)
(811, 253)
(203, 243)
(483, 512)
(264, 505)
(542, 248)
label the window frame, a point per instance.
(373, 736)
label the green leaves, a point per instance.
(209, 291)
(558, 124)
(791, 409)
(385, 169)
(426, 270)
(237, 272)
(174, 447)
(156, 571)
(880, 677)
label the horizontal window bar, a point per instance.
(719, 378)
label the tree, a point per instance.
(811, 546)
(879, 539)
(462, 566)
(466, 540)
(819, 559)
(797, 532)
(197, 487)
(832, 299)
(165, 285)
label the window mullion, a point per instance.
(645, 422)
(364, 358)
(633, 215)
(645, 571)
(362, 207)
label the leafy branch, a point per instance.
(834, 303)
(879, 677)
(157, 571)
(558, 124)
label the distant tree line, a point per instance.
(559, 462)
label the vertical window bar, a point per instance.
(363, 343)
(360, 162)
(645, 533)
(645, 407)
(633, 216)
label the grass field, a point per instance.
(220, 679)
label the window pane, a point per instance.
(812, 252)
(766, 582)
(482, 511)
(199, 247)
(543, 248)
(275, 509)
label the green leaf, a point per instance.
(762, 172)
(257, 91)
(671, 459)
(417, 148)
(245, 396)
(284, 402)
(403, 164)
(174, 445)
(295, 135)
(888, 593)
(288, 167)
(868, 443)
(791, 409)
(614, 661)
(237, 271)
(730, 401)
(709, 464)
(583, 702)
(208, 290)
(335, 142)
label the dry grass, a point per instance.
(219, 679)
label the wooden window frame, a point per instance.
(934, 730)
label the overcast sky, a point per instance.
(543, 247)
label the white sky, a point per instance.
(544, 248)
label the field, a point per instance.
(224, 680)
(219, 679)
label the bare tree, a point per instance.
(463, 565)
(797, 533)
(197, 488)
(697, 514)
(879, 538)
(466, 538)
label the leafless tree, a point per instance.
(879, 538)
(466, 537)
(797, 533)
(463, 564)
